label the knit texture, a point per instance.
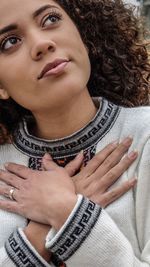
(118, 236)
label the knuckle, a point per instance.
(11, 179)
(111, 175)
(121, 150)
(9, 206)
(26, 186)
(113, 194)
(111, 147)
(20, 168)
(103, 201)
(96, 161)
(122, 166)
(103, 183)
(123, 147)
(108, 162)
(4, 175)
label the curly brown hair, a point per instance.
(119, 58)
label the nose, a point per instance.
(41, 48)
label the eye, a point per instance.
(9, 42)
(52, 19)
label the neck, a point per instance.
(67, 119)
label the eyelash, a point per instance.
(55, 14)
(7, 37)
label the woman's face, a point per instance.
(43, 61)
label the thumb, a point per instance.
(48, 163)
(73, 166)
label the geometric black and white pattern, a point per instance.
(63, 150)
(71, 239)
(83, 139)
(77, 230)
(20, 253)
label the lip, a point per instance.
(53, 68)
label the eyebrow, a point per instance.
(8, 28)
(42, 9)
(13, 27)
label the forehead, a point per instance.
(13, 10)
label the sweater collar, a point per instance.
(71, 145)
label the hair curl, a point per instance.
(119, 58)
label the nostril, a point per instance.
(42, 50)
(39, 54)
(50, 48)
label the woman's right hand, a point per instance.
(101, 172)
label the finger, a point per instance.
(10, 206)
(116, 193)
(73, 166)
(5, 191)
(20, 170)
(117, 154)
(9, 178)
(113, 158)
(112, 176)
(98, 159)
(48, 163)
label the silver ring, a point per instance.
(11, 193)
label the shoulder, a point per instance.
(140, 113)
(132, 116)
(135, 121)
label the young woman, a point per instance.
(55, 55)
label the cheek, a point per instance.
(13, 71)
(10, 75)
(16, 89)
(81, 52)
(84, 62)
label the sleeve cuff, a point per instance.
(22, 253)
(78, 226)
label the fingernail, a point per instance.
(128, 141)
(132, 154)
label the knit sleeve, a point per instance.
(18, 252)
(5, 260)
(15, 248)
(91, 238)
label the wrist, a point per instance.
(37, 239)
(67, 205)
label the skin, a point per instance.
(92, 181)
(39, 42)
(36, 42)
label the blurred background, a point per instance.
(143, 8)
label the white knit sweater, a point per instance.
(118, 236)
